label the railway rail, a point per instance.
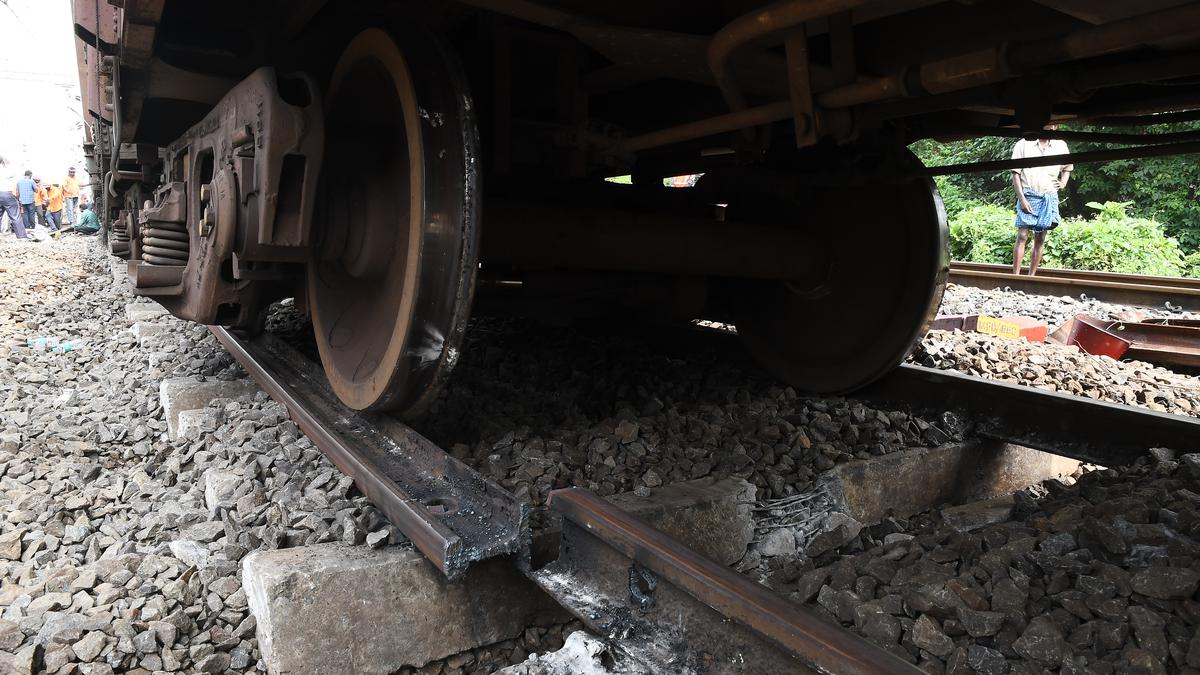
(1122, 289)
(662, 601)
(455, 516)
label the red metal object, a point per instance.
(1162, 341)
(1092, 336)
(1165, 344)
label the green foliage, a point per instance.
(1191, 265)
(983, 233)
(960, 192)
(1112, 241)
(1165, 189)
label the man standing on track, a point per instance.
(8, 200)
(26, 192)
(70, 188)
(1037, 196)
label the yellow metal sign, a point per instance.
(993, 326)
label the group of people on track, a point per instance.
(32, 203)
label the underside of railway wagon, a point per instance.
(396, 166)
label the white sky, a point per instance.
(40, 114)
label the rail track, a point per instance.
(455, 516)
(1123, 289)
(663, 602)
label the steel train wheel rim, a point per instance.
(886, 274)
(395, 231)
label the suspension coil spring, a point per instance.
(118, 235)
(165, 243)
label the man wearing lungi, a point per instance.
(1037, 196)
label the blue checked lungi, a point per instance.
(1045, 211)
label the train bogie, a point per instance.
(395, 166)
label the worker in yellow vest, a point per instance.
(70, 189)
(54, 206)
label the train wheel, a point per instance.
(395, 235)
(886, 268)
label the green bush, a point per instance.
(962, 191)
(983, 233)
(1112, 241)
(1191, 265)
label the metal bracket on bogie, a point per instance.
(237, 200)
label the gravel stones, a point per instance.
(1166, 583)
(190, 552)
(986, 661)
(120, 547)
(520, 409)
(88, 648)
(1042, 642)
(778, 542)
(928, 635)
(1054, 310)
(980, 624)
(1094, 574)
(10, 544)
(1055, 367)
(1051, 366)
(837, 530)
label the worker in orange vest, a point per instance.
(39, 200)
(54, 206)
(70, 188)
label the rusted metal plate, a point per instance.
(1188, 357)
(1166, 344)
(680, 611)
(451, 513)
(1192, 323)
(948, 322)
(94, 18)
